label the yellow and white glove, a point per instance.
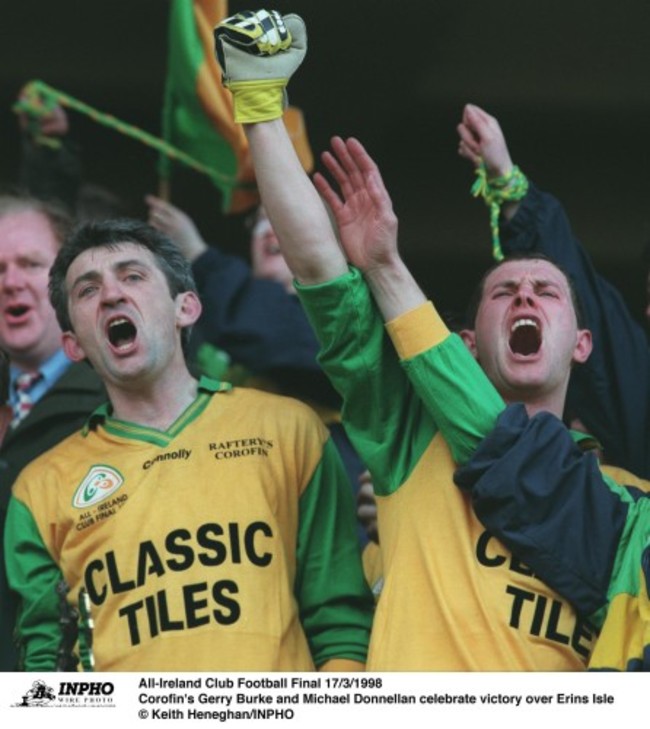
(258, 51)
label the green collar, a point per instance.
(585, 441)
(103, 416)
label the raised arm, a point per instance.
(295, 209)
(354, 348)
(368, 226)
(482, 141)
(361, 206)
(611, 392)
(257, 82)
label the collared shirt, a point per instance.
(51, 369)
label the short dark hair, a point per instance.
(110, 234)
(477, 295)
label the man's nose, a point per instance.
(13, 277)
(525, 297)
(112, 292)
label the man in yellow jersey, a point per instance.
(454, 597)
(194, 525)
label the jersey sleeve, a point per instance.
(550, 504)
(611, 391)
(382, 415)
(335, 602)
(34, 575)
(454, 389)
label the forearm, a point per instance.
(296, 211)
(394, 289)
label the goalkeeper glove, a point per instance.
(258, 51)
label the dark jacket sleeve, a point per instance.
(534, 489)
(260, 325)
(611, 392)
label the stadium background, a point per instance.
(567, 80)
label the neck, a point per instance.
(30, 364)
(544, 402)
(157, 404)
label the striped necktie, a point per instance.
(23, 384)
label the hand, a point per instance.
(481, 138)
(258, 52)
(367, 507)
(362, 208)
(172, 221)
(54, 123)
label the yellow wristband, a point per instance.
(258, 101)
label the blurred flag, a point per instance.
(197, 114)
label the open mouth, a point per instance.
(121, 333)
(16, 311)
(525, 337)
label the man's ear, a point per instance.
(584, 345)
(188, 309)
(72, 348)
(469, 337)
(5, 418)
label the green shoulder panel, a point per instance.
(457, 394)
(382, 414)
(634, 539)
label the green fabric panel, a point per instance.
(185, 124)
(382, 414)
(457, 394)
(33, 573)
(335, 603)
(626, 573)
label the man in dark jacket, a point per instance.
(610, 394)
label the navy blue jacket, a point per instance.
(584, 535)
(610, 393)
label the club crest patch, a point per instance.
(100, 482)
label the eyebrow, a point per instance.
(94, 275)
(538, 283)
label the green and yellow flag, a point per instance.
(198, 110)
